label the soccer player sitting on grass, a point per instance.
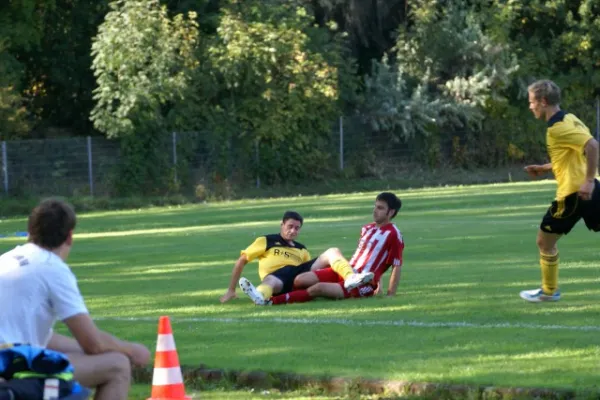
(574, 161)
(380, 246)
(281, 260)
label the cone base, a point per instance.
(170, 398)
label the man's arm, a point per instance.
(394, 281)
(591, 155)
(235, 277)
(91, 340)
(537, 170)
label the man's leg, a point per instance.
(549, 258)
(109, 373)
(559, 219)
(271, 284)
(340, 265)
(321, 289)
(546, 243)
(305, 280)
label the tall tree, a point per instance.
(143, 60)
(370, 24)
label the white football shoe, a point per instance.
(358, 279)
(538, 296)
(250, 291)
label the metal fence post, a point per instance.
(257, 155)
(174, 135)
(90, 171)
(5, 167)
(598, 118)
(341, 143)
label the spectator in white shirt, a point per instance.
(37, 288)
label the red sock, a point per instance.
(297, 296)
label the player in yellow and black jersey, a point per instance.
(280, 260)
(573, 156)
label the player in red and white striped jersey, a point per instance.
(380, 247)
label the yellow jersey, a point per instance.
(566, 138)
(273, 253)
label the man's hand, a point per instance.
(586, 189)
(378, 291)
(139, 354)
(536, 171)
(230, 294)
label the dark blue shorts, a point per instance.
(288, 273)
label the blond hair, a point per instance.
(547, 90)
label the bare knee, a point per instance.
(305, 280)
(545, 244)
(101, 369)
(333, 253)
(315, 290)
(274, 283)
(121, 368)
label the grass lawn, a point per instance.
(457, 317)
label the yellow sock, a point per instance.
(266, 290)
(549, 265)
(342, 268)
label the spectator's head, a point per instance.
(290, 225)
(387, 206)
(51, 225)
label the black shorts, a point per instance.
(288, 273)
(562, 215)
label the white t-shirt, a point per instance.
(36, 289)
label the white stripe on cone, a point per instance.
(167, 376)
(165, 342)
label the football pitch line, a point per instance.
(351, 322)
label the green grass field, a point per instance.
(457, 318)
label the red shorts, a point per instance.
(330, 276)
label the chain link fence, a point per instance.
(87, 166)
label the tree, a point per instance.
(143, 62)
(443, 73)
(272, 87)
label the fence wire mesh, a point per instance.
(82, 166)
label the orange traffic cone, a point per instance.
(167, 381)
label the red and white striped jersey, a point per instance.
(378, 249)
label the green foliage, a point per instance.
(22, 22)
(272, 88)
(555, 40)
(21, 29)
(443, 72)
(143, 61)
(13, 114)
(268, 78)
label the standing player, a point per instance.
(574, 161)
(280, 260)
(380, 246)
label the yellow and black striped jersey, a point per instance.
(566, 138)
(273, 252)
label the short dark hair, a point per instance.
(392, 201)
(50, 223)
(292, 215)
